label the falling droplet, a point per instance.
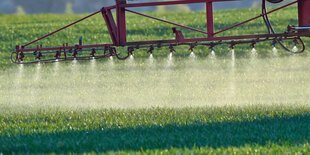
(212, 55)
(151, 59)
(56, 67)
(93, 64)
(169, 59)
(74, 61)
(21, 68)
(131, 60)
(110, 61)
(38, 65)
(253, 52)
(232, 77)
(170, 56)
(295, 49)
(192, 55)
(38, 73)
(233, 57)
(275, 51)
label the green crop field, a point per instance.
(137, 109)
(18, 30)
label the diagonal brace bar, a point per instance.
(61, 29)
(165, 21)
(284, 6)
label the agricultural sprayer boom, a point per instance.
(117, 30)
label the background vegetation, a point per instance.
(277, 129)
(83, 6)
(20, 29)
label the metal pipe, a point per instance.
(301, 28)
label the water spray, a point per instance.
(212, 51)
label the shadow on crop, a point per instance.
(285, 130)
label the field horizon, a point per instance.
(241, 101)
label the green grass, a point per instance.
(273, 129)
(256, 129)
(21, 29)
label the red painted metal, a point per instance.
(304, 13)
(210, 24)
(241, 37)
(169, 41)
(121, 22)
(117, 31)
(108, 17)
(64, 48)
(178, 35)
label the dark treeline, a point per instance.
(84, 6)
(51, 6)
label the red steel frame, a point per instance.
(117, 28)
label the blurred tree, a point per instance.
(160, 9)
(42, 6)
(69, 8)
(87, 6)
(82, 6)
(174, 8)
(20, 10)
(178, 8)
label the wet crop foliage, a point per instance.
(263, 130)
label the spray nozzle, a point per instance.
(39, 56)
(21, 56)
(253, 44)
(130, 50)
(81, 41)
(171, 48)
(151, 49)
(211, 46)
(274, 43)
(296, 42)
(75, 53)
(191, 47)
(93, 52)
(57, 55)
(232, 45)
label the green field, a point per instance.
(251, 105)
(18, 30)
(260, 130)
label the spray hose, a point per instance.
(113, 52)
(297, 40)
